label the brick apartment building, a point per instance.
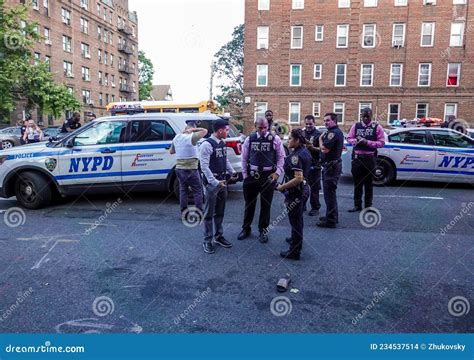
(403, 58)
(92, 48)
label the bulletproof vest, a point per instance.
(218, 159)
(262, 153)
(369, 133)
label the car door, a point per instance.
(92, 157)
(454, 156)
(413, 155)
(146, 159)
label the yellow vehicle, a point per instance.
(133, 107)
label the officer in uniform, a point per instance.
(331, 143)
(297, 166)
(215, 166)
(263, 156)
(314, 179)
(72, 123)
(366, 137)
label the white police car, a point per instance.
(425, 154)
(120, 153)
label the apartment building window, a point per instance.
(67, 67)
(450, 109)
(113, 98)
(421, 110)
(111, 15)
(262, 75)
(47, 36)
(85, 4)
(295, 75)
(35, 4)
(393, 112)
(457, 34)
(99, 32)
(263, 4)
(111, 60)
(37, 58)
(99, 55)
(86, 97)
(260, 108)
(262, 37)
(454, 74)
(424, 74)
(106, 79)
(100, 78)
(401, 2)
(318, 71)
(342, 36)
(296, 37)
(339, 109)
(367, 75)
(106, 54)
(427, 34)
(344, 3)
(370, 3)
(101, 100)
(369, 36)
(112, 80)
(47, 61)
(111, 38)
(46, 7)
(398, 35)
(85, 51)
(294, 113)
(297, 4)
(98, 9)
(319, 32)
(86, 74)
(66, 16)
(340, 75)
(317, 109)
(459, 2)
(105, 14)
(106, 34)
(84, 26)
(67, 41)
(396, 74)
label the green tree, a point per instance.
(145, 76)
(21, 79)
(229, 67)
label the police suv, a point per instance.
(420, 153)
(120, 153)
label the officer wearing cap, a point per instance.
(314, 178)
(215, 166)
(263, 156)
(366, 137)
(331, 143)
(296, 167)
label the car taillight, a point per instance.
(236, 145)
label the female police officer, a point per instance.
(296, 168)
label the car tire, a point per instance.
(384, 172)
(33, 190)
(6, 144)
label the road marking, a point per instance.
(97, 327)
(44, 258)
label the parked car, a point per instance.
(10, 137)
(119, 153)
(52, 131)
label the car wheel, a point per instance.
(33, 190)
(6, 144)
(384, 172)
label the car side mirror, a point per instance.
(69, 143)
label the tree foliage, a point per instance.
(21, 78)
(145, 76)
(229, 67)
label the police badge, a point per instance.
(330, 135)
(294, 160)
(270, 137)
(50, 164)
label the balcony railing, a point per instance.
(125, 29)
(126, 88)
(124, 47)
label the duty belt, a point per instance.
(331, 163)
(220, 177)
(257, 174)
(363, 156)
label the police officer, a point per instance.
(314, 177)
(331, 143)
(366, 137)
(297, 166)
(72, 123)
(263, 156)
(215, 166)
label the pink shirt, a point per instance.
(280, 155)
(379, 143)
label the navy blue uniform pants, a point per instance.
(331, 176)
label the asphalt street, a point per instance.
(128, 263)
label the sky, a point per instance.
(181, 37)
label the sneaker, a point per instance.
(222, 242)
(208, 248)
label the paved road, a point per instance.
(142, 270)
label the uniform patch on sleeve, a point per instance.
(330, 135)
(270, 137)
(294, 160)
